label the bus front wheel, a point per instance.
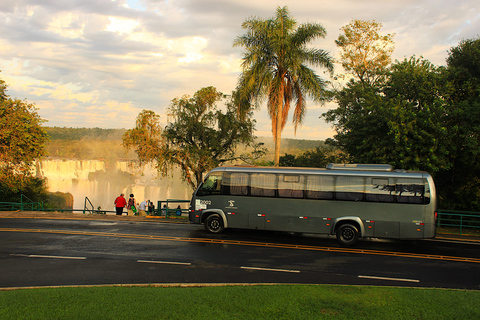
(347, 235)
(214, 224)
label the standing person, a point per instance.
(132, 205)
(120, 203)
(142, 209)
(151, 208)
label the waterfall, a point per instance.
(102, 183)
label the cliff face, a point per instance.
(102, 183)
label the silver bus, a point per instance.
(350, 201)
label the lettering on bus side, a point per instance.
(201, 204)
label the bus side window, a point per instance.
(263, 184)
(320, 187)
(291, 186)
(380, 190)
(238, 184)
(350, 188)
(410, 191)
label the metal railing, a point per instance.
(463, 221)
(165, 210)
(86, 208)
(24, 204)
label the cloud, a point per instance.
(98, 63)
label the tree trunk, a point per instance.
(278, 137)
(278, 133)
(199, 178)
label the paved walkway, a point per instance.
(87, 216)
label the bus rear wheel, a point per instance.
(347, 235)
(214, 224)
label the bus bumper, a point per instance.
(194, 217)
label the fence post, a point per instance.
(461, 223)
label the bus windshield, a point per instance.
(211, 185)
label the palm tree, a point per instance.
(274, 67)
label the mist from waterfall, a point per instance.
(101, 182)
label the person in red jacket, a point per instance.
(120, 203)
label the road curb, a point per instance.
(87, 216)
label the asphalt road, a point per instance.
(59, 252)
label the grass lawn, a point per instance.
(239, 302)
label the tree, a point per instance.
(22, 141)
(401, 123)
(22, 138)
(361, 119)
(200, 137)
(365, 53)
(461, 182)
(146, 138)
(275, 67)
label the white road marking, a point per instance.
(166, 262)
(390, 279)
(269, 269)
(49, 257)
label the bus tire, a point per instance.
(347, 235)
(214, 224)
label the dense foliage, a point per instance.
(419, 117)
(22, 140)
(460, 184)
(400, 123)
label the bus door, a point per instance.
(236, 198)
(235, 211)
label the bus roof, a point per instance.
(359, 167)
(350, 170)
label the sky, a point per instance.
(99, 63)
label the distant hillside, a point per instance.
(97, 143)
(291, 146)
(87, 143)
(57, 133)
